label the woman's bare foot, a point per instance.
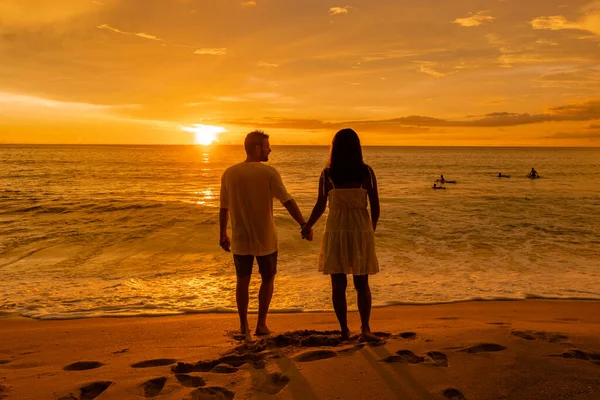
(262, 330)
(345, 333)
(368, 336)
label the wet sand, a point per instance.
(477, 350)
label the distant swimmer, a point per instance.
(443, 180)
(533, 174)
(502, 176)
(435, 186)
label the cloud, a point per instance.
(553, 23)
(438, 70)
(27, 13)
(264, 97)
(593, 127)
(140, 34)
(571, 78)
(249, 3)
(265, 64)
(339, 10)
(13, 105)
(574, 135)
(475, 19)
(220, 51)
(585, 111)
(547, 42)
(589, 20)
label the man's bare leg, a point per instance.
(242, 298)
(265, 294)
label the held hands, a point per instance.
(225, 242)
(307, 232)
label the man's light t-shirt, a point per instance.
(248, 190)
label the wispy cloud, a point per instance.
(140, 34)
(585, 111)
(265, 64)
(220, 51)
(589, 20)
(546, 42)
(553, 23)
(474, 19)
(339, 10)
(438, 70)
(265, 97)
(574, 135)
(249, 3)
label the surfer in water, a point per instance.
(500, 175)
(533, 174)
(435, 186)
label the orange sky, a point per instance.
(400, 72)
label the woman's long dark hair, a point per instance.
(345, 159)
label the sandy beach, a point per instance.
(475, 350)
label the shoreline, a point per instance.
(226, 311)
(536, 349)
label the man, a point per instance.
(247, 192)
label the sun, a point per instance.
(204, 134)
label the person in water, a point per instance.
(348, 245)
(441, 180)
(435, 186)
(533, 174)
(502, 176)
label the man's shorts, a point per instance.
(267, 265)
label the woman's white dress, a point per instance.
(348, 245)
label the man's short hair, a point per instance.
(253, 139)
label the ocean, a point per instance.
(96, 231)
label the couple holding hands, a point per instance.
(348, 244)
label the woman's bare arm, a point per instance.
(373, 194)
(320, 205)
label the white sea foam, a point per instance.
(133, 231)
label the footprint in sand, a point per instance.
(159, 362)
(3, 391)
(274, 383)
(200, 366)
(580, 355)
(523, 335)
(83, 366)
(223, 369)
(404, 356)
(453, 394)
(315, 355)
(439, 358)
(551, 337)
(93, 390)
(484, 348)
(212, 393)
(153, 387)
(190, 381)
(350, 350)
(408, 335)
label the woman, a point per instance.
(348, 245)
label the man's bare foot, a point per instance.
(262, 330)
(245, 328)
(368, 336)
(345, 333)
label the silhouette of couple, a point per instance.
(348, 244)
